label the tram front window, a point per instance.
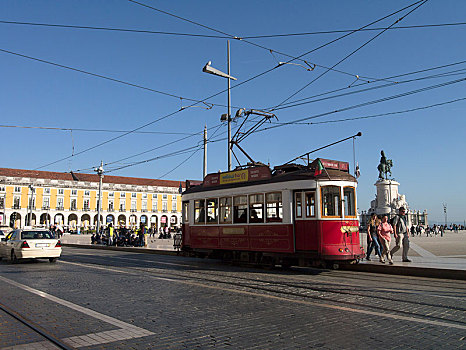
(256, 208)
(274, 207)
(225, 210)
(240, 209)
(350, 205)
(331, 201)
(199, 211)
(212, 211)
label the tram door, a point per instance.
(305, 223)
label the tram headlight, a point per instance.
(340, 250)
(347, 250)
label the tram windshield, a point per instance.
(331, 201)
(350, 205)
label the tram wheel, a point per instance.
(268, 262)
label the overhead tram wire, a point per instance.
(190, 156)
(380, 114)
(92, 130)
(142, 31)
(364, 104)
(161, 146)
(350, 30)
(162, 156)
(104, 77)
(146, 31)
(268, 49)
(372, 88)
(175, 112)
(361, 84)
(419, 4)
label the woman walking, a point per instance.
(372, 237)
(384, 230)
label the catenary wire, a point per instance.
(357, 85)
(270, 50)
(146, 31)
(364, 104)
(175, 112)
(381, 114)
(372, 88)
(93, 130)
(349, 55)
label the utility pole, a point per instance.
(4, 209)
(30, 204)
(100, 172)
(205, 152)
(229, 107)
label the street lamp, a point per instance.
(30, 204)
(100, 172)
(211, 70)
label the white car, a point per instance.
(30, 244)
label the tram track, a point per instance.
(37, 329)
(411, 308)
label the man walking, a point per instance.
(401, 234)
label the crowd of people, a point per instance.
(379, 233)
(380, 230)
(130, 237)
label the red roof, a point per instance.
(50, 175)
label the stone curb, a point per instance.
(408, 271)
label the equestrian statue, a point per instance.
(384, 167)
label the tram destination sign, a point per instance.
(238, 176)
(335, 164)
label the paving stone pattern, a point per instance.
(186, 303)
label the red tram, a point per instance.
(290, 216)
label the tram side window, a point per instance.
(240, 209)
(199, 211)
(186, 212)
(310, 204)
(212, 210)
(256, 208)
(225, 210)
(350, 205)
(299, 204)
(331, 201)
(274, 207)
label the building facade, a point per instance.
(30, 197)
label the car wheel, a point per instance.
(52, 260)
(14, 258)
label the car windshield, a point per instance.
(36, 235)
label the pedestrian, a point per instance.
(384, 231)
(372, 237)
(110, 234)
(401, 235)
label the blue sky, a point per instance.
(426, 145)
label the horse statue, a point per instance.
(384, 167)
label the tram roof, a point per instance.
(290, 172)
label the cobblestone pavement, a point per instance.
(120, 300)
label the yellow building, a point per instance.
(71, 200)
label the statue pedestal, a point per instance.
(387, 197)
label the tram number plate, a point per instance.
(40, 245)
